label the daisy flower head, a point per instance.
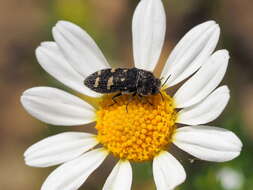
(146, 130)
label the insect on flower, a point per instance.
(124, 81)
(146, 132)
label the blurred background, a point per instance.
(24, 24)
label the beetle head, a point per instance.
(148, 85)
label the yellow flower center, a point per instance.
(135, 128)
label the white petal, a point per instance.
(149, 25)
(207, 110)
(72, 174)
(57, 107)
(59, 148)
(168, 172)
(52, 60)
(120, 177)
(191, 52)
(208, 143)
(79, 48)
(204, 81)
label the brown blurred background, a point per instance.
(24, 24)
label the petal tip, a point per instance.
(22, 99)
(55, 30)
(61, 22)
(225, 88)
(38, 52)
(223, 53)
(211, 21)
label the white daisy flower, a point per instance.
(145, 132)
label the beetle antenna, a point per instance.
(165, 80)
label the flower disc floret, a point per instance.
(135, 128)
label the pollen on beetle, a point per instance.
(140, 133)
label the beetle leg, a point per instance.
(146, 99)
(115, 96)
(130, 99)
(140, 96)
(149, 102)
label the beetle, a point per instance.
(124, 81)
